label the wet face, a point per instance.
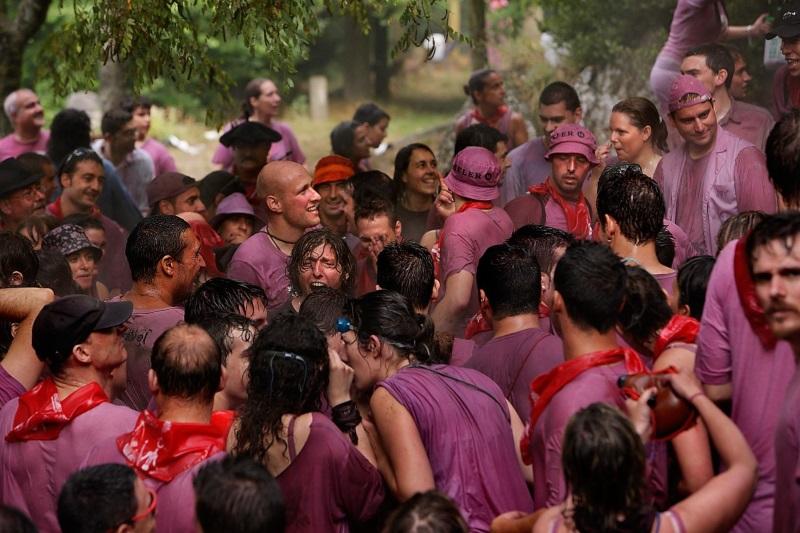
(790, 48)
(697, 125)
(189, 202)
(493, 93)
(355, 357)
(83, 267)
(375, 233)
(628, 140)
(22, 203)
(333, 197)
(376, 133)
(237, 363)
(30, 113)
(84, 185)
(569, 172)
(107, 350)
(320, 268)
(553, 115)
(776, 275)
(696, 67)
(141, 121)
(250, 158)
(299, 200)
(124, 141)
(741, 79)
(189, 267)
(255, 311)
(421, 176)
(236, 229)
(268, 103)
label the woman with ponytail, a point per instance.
(442, 427)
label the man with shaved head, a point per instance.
(167, 451)
(292, 206)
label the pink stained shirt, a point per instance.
(787, 462)
(528, 167)
(694, 22)
(33, 472)
(513, 361)
(750, 122)
(728, 352)
(683, 248)
(465, 236)
(286, 149)
(162, 159)
(11, 147)
(260, 262)
(781, 93)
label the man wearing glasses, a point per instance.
(20, 194)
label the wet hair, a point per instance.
(477, 82)
(70, 129)
(603, 460)
(16, 254)
(131, 104)
(375, 206)
(783, 157)
(737, 227)
(718, 57)
(238, 495)
(324, 306)
(34, 162)
(343, 138)
(642, 112)
(633, 200)
(427, 512)
(223, 328)
(305, 246)
(645, 309)
(401, 162)
(543, 242)
(693, 276)
(222, 296)
(783, 227)
(407, 268)
(12, 520)
(288, 373)
(591, 280)
(479, 135)
(558, 91)
(511, 280)
(97, 499)
(370, 184)
(187, 363)
(72, 159)
(114, 120)
(252, 90)
(388, 315)
(54, 273)
(83, 220)
(665, 247)
(370, 113)
(152, 239)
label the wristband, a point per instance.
(347, 418)
(695, 395)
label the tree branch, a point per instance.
(31, 14)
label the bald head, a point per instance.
(187, 363)
(286, 189)
(276, 175)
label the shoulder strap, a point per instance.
(290, 439)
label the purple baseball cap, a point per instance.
(683, 85)
(573, 139)
(475, 174)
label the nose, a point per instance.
(571, 164)
(776, 287)
(315, 197)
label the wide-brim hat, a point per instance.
(475, 174)
(13, 176)
(70, 238)
(573, 139)
(249, 132)
(234, 204)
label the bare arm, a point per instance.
(23, 304)
(517, 428)
(407, 456)
(451, 310)
(757, 29)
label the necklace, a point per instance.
(274, 238)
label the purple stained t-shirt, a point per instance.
(528, 167)
(10, 388)
(162, 159)
(143, 328)
(11, 147)
(463, 421)
(260, 262)
(749, 122)
(329, 483)
(513, 361)
(465, 236)
(286, 149)
(728, 352)
(787, 461)
(33, 472)
(666, 281)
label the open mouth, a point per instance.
(317, 285)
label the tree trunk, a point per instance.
(357, 73)
(383, 73)
(14, 36)
(477, 26)
(115, 85)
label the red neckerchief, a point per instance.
(578, 220)
(56, 210)
(489, 121)
(209, 239)
(477, 324)
(437, 257)
(548, 385)
(747, 296)
(163, 449)
(42, 416)
(678, 329)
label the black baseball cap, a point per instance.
(788, 24)
(69, 320)
(14, 177)
(250, 132)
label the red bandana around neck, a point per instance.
(489, 121)
(437, 257)
(163, 449)
(747, 296)
(678, 329)
(546, 386)
(41, 415)
(577, 214)
(57, 211)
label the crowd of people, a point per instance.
(543, 334)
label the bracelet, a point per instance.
(695, 395)
(347, 418)
(749, 30)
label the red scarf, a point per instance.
(678, 329)
(57, 211)
(546, 386)
(437, 256)
(747, 296)
(578, 219)
(477, 324)
(162, 449)
(489, 121)
(42, 416)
